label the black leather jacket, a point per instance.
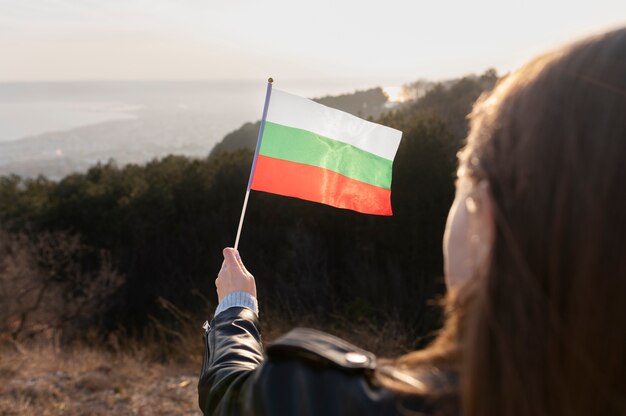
(306, 372)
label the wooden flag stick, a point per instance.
(268, 93)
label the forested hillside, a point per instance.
(113, 247)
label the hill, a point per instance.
(128, 246)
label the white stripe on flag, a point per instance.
(293, 111)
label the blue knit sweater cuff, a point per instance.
(238, 299)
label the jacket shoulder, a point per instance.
(321, 349)
(318, 373)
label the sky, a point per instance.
(388, 41)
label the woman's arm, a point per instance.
(232, 340)
(232, 352)
(305, 372)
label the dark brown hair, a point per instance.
(543, 330)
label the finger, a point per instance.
(230, 259)
(243, 266)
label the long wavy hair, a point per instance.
(542, 329)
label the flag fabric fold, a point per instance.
(314, 152)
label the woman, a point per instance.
(535, 250)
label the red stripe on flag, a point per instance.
(319, 185)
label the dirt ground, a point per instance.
(82, 382)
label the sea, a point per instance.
(56, 128)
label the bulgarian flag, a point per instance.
(316, 153)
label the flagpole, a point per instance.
(268, 93)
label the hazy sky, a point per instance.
(382, 41)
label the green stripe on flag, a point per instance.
(302, 146)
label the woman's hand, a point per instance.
(233, 276)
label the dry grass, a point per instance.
(44, 381)
(48, 380)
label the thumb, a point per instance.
(230, 258)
